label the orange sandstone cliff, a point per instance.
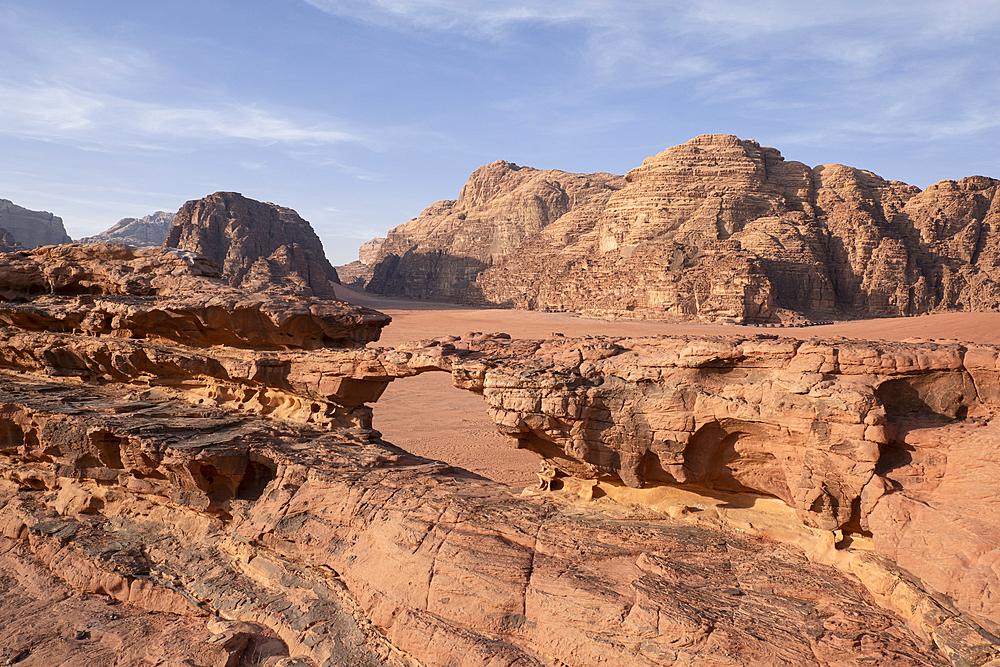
(715, 229)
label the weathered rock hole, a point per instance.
(109, 449)
(218, 487)
(931, 396)
(11, 437)
(257, 476)
(428, 416)
(88, 461)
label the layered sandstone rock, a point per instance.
(256, 245)
(722, 228)
(147, 230)
(357, 274)
(152, 293)
(439, 254)
(238, 486)
(892, 439)
(31, 228)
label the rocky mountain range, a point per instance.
(145, 231)
(31, 228)
(718, 228)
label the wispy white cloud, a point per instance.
(65, 86)
(65, 114)
(833, 59)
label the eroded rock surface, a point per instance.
(145, 231)
(32, 228)
(717, 228)
(125, 292)
(256, 245)
(438, 255)
(238, 485)
(892, 439)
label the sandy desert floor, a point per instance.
(426, 415)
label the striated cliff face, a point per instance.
(439, 255)
(722, 228)
(147, 230)
(31, 228)
(256, 245)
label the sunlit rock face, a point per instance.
(718, 228)
(198, 453)
(256, 245)
(438, 255)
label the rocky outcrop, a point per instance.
(8, 243)
(148, 230)
(439, 255)
(32, 228)
(896, 440)
(238, 485)
(357, 274)
(721, 228)
(152, 293)
(257, 246)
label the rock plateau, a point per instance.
(717, 228)
(173, 448)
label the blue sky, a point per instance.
(359, 113)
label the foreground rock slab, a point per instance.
(354, 552)
(164, 449)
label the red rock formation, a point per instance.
(257, 246)
(718, 228)
(439, 254)
(193, 479)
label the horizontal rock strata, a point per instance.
(715, 229)
(438, 255)
(242, 483)
(165, 293)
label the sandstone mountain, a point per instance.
(205, 461)
(32, 228)
(359, 272)
(439, 254)
(148, 230)
(257, 246)
(718, 228)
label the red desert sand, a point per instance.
(453, 425)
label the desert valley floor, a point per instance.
(453, 425)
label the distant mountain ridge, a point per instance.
(145, 231)
(716, 229)
(31, 228)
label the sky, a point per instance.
(360, 113)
